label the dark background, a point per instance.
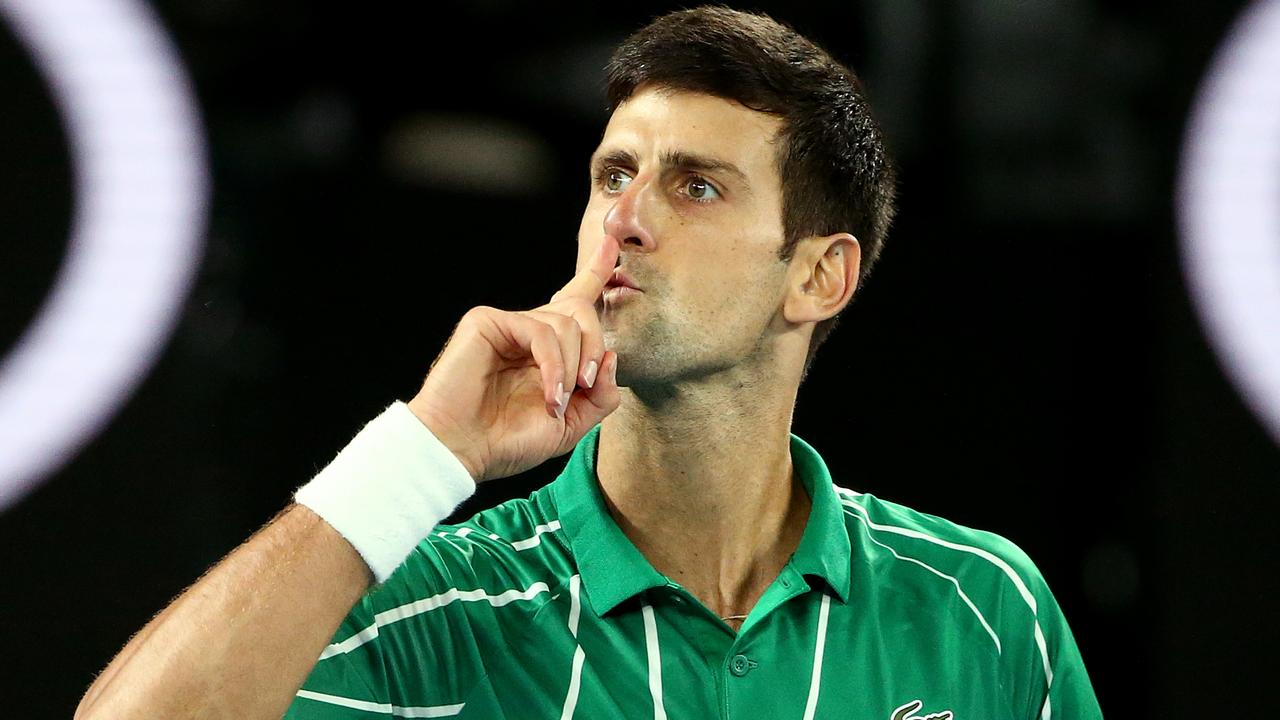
(1025, 358)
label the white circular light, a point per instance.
(141, 186)
(1229, 207)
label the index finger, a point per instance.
(588, 284)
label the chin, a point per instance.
(631, 372)
(639, 374)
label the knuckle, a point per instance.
(565, 326)
(586, 316)
(546, 332)
(555, 370)
(476, 314)
(576, 306)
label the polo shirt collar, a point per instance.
(614, 570)
(825, 550)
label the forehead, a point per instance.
(657, 120)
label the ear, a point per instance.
(822, 278)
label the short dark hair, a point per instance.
(836, 172)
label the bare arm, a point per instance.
(240, 641)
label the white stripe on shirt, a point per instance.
(418, 607)
(575, 677)
(433, 711)
(1021, 586)
(812, 705)
(655, 662)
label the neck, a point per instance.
(702, 484)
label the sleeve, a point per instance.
(1049, 679)
(405, 650)
(1069, 694)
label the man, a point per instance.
(694, 559)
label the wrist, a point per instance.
(388, 488)
(452, 435)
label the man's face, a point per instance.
(688, 185)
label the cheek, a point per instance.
(718, 290)
(741, 282)
(741, 262)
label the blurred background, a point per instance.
(1025, 359)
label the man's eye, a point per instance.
(700, 190)
(615, 180)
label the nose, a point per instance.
(628, 219)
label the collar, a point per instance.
(614, 570)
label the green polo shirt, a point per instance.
(541, 607)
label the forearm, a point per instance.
(240, 641)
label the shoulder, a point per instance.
(464, 586)
(990, 584)
(985, 562)
(503, 549)
(996, 581)
(482, 576)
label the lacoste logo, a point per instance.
(904, 713)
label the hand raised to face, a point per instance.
(511, 390)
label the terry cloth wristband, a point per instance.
(388, 487)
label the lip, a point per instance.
(618, 293)
(621, 279)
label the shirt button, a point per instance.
(740, 665)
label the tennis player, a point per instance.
(694, 559)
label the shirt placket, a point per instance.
(748, 668)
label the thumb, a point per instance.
(589, 406)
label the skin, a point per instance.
(693, 381)
(695, 462)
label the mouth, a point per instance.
(617, 293)
(621, 279)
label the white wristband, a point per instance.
(388, 487)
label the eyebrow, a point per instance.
(672, 160)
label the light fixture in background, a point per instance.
(469, 154)
(1229, 207)
(140, 188)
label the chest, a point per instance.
(677, 660)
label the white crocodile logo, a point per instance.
(904, 713)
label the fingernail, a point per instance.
(562, 401)
(590, 374)
(613, 370)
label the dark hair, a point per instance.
(836, 173)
